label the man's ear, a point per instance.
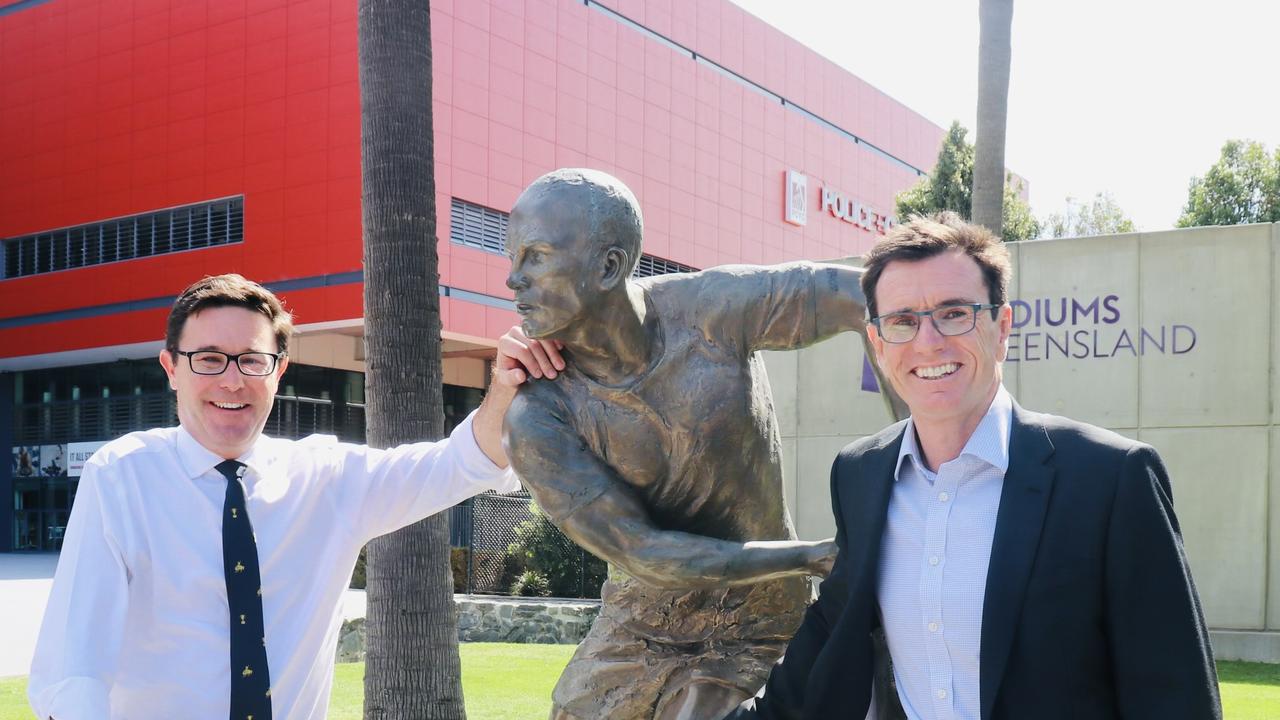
(877, 343)
(166, 362)
(614, 272)
(1004, 321)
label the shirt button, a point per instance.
(933, 627)
(933, 560)
(942, 694)
(943, 496)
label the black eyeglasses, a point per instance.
(214, 362)
(958, 319)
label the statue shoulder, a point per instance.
(541, 407)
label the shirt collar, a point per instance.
(197, 459)
(988, 443)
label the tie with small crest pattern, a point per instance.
(250, 680)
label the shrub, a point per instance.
(569, 570)
(531, 584)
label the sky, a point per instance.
(1128, 97)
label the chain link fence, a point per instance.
(505, 545)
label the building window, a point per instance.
(482, 228)
(650, 265)
(217, 222)
(478, 227)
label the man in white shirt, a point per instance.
(1021, 565)
(148, 600)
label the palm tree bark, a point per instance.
(995, 18)
(412, 667)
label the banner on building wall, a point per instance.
(45, 461)
(26, 461)
(53, 460)
(78, 453)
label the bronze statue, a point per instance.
(657, 449)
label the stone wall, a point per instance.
(498, 619)
(524, 620)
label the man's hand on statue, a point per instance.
(520, 357)
(822, 555)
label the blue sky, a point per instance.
(1130, 97)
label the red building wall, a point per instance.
(112, 108)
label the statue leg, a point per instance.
(702, 700)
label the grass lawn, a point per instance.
(1250, 691)
(513, 682)
(500, 681)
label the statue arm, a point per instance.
(616, 527)
(793, 305)
(781, 307)
(599, 511)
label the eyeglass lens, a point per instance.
(949, 320)
(212, 362)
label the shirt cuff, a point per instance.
(75, 698)
(486, 472)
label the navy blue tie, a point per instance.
(250, 679)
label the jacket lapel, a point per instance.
(864, 484)
(866, 509)
(1028, 485)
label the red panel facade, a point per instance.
(115, 108)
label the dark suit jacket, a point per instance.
(1090, 611)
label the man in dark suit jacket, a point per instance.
(1021, 565)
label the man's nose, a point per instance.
(928, 336)
(517, 280)
(232, 378)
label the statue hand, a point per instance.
(822, 555)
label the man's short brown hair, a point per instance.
(923, 238)
(229, 290)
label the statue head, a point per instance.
(573, 239)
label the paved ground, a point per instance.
(25, 579)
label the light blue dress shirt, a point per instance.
(933, 567)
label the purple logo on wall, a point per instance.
(1077, 329)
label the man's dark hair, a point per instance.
(925, 237)
(228, 291)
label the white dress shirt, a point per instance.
(137, 624)
(933, 567)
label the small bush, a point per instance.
(570, 571)
(531, 584)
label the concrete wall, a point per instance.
(1178, 352)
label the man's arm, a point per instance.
(594, 507)
(1161, 657)
(79, 642)
(783, 695)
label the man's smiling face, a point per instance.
(942, 378)
(224, 413)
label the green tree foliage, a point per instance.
(1102, 216)
(1242, 187)
(554, 564)
(950, 187)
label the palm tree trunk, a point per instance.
(412, 667)
(996, 21)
